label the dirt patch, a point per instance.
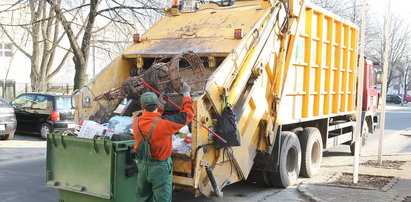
(407, 199)
(388, 164)
(373, 182)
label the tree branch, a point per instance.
(14, 42)
(69, 32)
(57, 70)
(128, 7)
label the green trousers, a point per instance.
(154, 180)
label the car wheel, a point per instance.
(45, 129)
(405, 102)
(10, 136)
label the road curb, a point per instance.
(302, 189)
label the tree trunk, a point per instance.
(81, 68)
(80, 75)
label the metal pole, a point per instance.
(360, 82)
(405, 82)
(384, 76)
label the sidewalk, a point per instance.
(22, 146)
(319, 189)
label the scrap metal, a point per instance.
(160, 75)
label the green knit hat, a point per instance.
(149, 100)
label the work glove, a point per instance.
(186, 89)
(161, 101)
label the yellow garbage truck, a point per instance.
(287, 68)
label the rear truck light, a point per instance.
(55, 116)
(238, 33)
(11, 131)
(136, 38)
(174, 4)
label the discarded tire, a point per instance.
(311, 151)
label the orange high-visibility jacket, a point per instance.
(161, 138)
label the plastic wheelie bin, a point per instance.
(90, 170)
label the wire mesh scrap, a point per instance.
(160, 75)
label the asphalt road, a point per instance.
(24, 180)
(22, 166)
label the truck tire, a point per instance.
(289, 161)
(297, 131)
(311, 151)
(364, 138)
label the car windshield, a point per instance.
(4, 104)
(63, 103)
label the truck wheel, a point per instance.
(364, 138)
(289, 162)
(297, 131)
(45, 129)
(312, 151)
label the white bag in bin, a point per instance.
(121, 124)
(89, 129)
(180, 143)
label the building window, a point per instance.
(5, 49)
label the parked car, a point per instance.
(394, 99)
(8, 121)
(43, 112)
(407, 99)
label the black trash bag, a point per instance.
(227, 129)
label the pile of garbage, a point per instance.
(182, 141)
(120, 128)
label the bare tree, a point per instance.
(399, 45)
(117, 12)
(41, 30)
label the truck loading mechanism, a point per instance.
(287, 67)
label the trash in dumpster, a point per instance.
(90, 129)
(182, 141)
(121, 125)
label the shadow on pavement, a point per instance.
(240, 191)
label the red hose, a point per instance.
(178, 107)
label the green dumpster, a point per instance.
(90, 169)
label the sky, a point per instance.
(401, 7)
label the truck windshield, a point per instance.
(63, 103)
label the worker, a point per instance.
(153, 134)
